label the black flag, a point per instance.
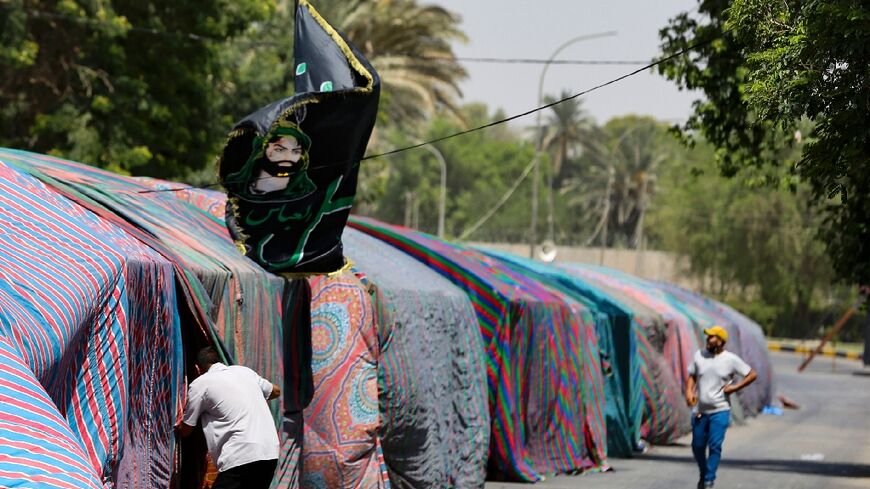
(290, 168)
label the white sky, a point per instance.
(534, 29)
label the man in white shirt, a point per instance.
(238, 425)
(713, 371)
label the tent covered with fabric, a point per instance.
(544, 376)
(665, 414)
(225, 294)
(119, 270)
(745, 337)
(90, 312)
(683, 335)
(339, 450)
(686, 315)
(341, 442)
(661, 340)
(216, 294)
(624, 408)
(646, 400)
(433, 401)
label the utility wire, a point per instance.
(547, 106)
(202, 38)
(507, 195)
(500, 121)
(535, 61)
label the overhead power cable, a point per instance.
(535, 61)
(499, 121)
(241, 42)
(546, 106)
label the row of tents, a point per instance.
(433, 364)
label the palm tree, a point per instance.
(564, 135)
(619, 179)
(637, 154)
(567, 131)
(410, 46)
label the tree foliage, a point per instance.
(566, 130)
(151, 87)
(767, 69)
(126, 85)
(481, 168)
(614, 179)
(411, 46)
(753, 246)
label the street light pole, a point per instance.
(442, 203)
(536, 175)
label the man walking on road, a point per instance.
(713, 371)
(239, 429)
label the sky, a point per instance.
(534, 29)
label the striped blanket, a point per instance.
(543, 373)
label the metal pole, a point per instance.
(533, 231)
(536, 175)
(407, 208)
(610, 176)
(442, 203)
(837, 327)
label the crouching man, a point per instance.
(239, 429)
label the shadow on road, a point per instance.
(790, 466)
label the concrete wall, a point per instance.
(650, 264)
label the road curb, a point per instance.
(827, 352)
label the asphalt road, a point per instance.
(823, 445)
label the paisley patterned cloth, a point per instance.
(341, 446)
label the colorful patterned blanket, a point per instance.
(92, 313)
(431, 373)
(341, 448)
(543, 365)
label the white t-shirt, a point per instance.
(238, 425)
(712, 374)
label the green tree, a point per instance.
(411, 47)
(614, 180)
(752, 245)
(765, 68)
(481, 168)
(565, 131)
(256, 67)
(127, 85)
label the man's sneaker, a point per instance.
(708, 484)
(702, 484)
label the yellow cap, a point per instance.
(717, 331)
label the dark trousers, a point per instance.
(255, 475)
(867, 340)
